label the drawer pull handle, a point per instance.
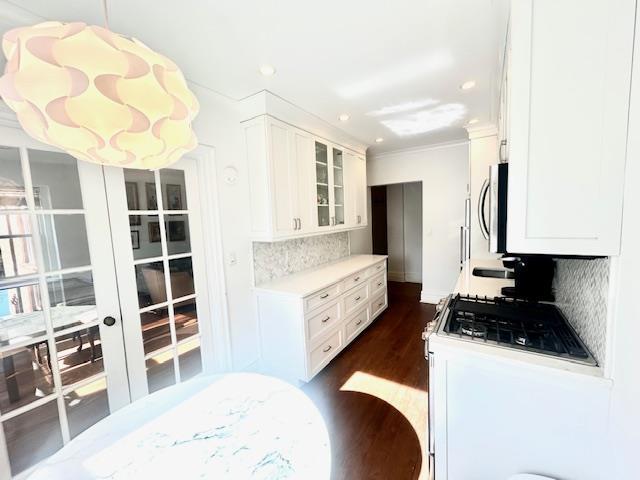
(358, 322)
(326, 320)
(357, 279)
(380, 304)
(325, 350)
(380, 284)
(378, 267)
(358, 298)
(324, 296)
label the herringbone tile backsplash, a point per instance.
(581, 288)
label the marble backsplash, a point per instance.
(581, 288)
(273, 260)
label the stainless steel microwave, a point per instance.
(492, 208)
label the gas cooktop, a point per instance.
(505, 322)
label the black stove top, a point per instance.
(507, 322)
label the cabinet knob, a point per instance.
(358, 299)
(357, 279)
(109, 321)
(358, 322)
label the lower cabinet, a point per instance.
(300, 335)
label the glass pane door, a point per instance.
(322, 185)
(338, 186)
(159, 264)
(61, 368)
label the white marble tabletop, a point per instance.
(235, 426)
(17, 327)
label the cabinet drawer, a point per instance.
(378, 304)
(353, 300)
(325, 351)
(321, 298)
(377, 284)
(377, 268)
(356, 324)
(354, 280)
(322, 321)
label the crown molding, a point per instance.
(268, 103)
(482, 131)
(420, 148)
(15, 16)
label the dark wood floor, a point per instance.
(373, 396)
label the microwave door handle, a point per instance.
(482, 200)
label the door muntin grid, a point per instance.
(162, 264)
(50, 345)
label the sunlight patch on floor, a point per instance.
(410, 402)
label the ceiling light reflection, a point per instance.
(426, 120)
(402, 73)
(403, 107)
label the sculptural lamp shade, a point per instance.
(97, 95)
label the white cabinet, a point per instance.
(279, 160)
(355, 170)
(569, 71)
(306, 319)
(299, 183)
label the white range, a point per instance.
(495, 412)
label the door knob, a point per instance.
(109, 321)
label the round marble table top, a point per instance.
(232, 426)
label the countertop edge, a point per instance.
(272, 288)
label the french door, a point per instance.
(102, 290)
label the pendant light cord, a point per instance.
(106, 14)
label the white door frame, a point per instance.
(205, 156)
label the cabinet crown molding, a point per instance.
(267, 103)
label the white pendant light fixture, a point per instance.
(98, 95)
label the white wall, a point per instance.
(218, 125)
(395, 232)
(404, 232)
(412, 232)
(443, 171)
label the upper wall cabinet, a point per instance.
(300, 184)
(569, 72)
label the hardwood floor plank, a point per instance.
(373, 395)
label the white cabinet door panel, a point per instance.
(569, 91)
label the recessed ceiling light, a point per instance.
(344, 117)
(379, 140)
(267, 70)
(473, 121)
(469, 84)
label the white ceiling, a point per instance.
(391, 65)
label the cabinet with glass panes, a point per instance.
(322, 185)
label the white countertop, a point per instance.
(228, 426)
(310, 281)
(467, 284)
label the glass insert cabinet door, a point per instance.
(323, 191)
(158, 246)
(330, 186)
(62, 362)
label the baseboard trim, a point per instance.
(432, 297)
(396, 276)
(413, 277)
